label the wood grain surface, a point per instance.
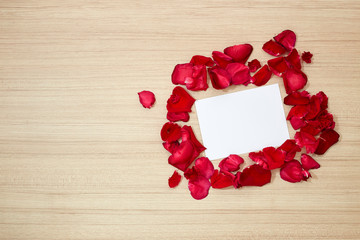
(81, 159)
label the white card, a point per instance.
(242, 122)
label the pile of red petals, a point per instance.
(308, 115)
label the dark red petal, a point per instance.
(306, 57)
(312, 127)
(255, 175)
(297, 111)
(287, 39)
(231, 163)
(174, 180)
(178, 116)
(254, 65)
(220, 180)
(293, 59)
(273, 48)
(181, 72)
(239, 73)
(297, 98)
(239, 53)
(199, 187)
(323, 100)
(180, 101)
(294, 80)
(262, 76)
(325, 120)
(202, 60)
(204, 167)
(170, 132)
(147, 98)
(275, 157)
(198, 80)
(259, 158)
(191, 173)
(278, 65)
(171, 146)
(304, 139)
(297, 122)
(220, 78)
(183, 156)
(327, 138)
(314, 107)
(188, 135)
(293, 172)
(290, 147)
(308, 162)
(221, 59)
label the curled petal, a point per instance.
(297, 98)
(255, 175)
(308, 162)
(293, 172)
(262, 76)
(147, 99)
(204, 167)
(304, 139)
(297, 122)
(327, 138)
(178, 116)
(180, 101)
(287, 39)
(198, 80)
(220, 78)
(290, 148)
(294, 80)
(239, 53)
(170, 132)
(181, 73)
(259, 158)
(323, 100)
(239, 73)
(312, 127)
(221, 59)
(275, 157)
(199, 187)
(231, 163)
(174, 180)
(254, 65)
(183, 156)
(220, 180)
(313, 107)
(202, 60)
(278, 65)
(306, 57)
(273, 48)
(297, 111)
(293, 59)
(188, 135)
(171, 146)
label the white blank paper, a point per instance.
(242, 122)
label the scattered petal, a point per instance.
(183, 156)
(221, 59)
(202, 60)
(198, 80)
(262, 76)
(293, 59)
(255, 175)
(180, 101)
(204, 167)
(239, 73)
(290, 147)
(254, 65)
(287, 39)
(181, 73)
(174, 180)
(171, 146)
(304, 139)
(278, 66)
(220, 180)
(178, 116)
(188, 135)
(239, 53)
(147, 98)
(308, 162)
(293, 172)
(231, 163)
(199, 187)
(306, 57)
(270, 158)
(327, 138)
(220, 78)
(170, 132)
(297, 98)
(294, 80)
(273, 48)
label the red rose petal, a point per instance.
(239, 73)
(171, 146)
(312, 127)
(178, 116)
(327, 138)
(181, 72)
(188, 135)
(323, 100)
(220, 180)
(254, 65)
(287, 39)
(278, 65)
(294, 80)
(221, 59)
(259, 158)
(273, 48)
(290, 147)
(270, 158)
(297, 122)
(297, 111)
(202, 60)
(293, 172)
(199, 187)
(293, 59)
(262, 76)
(170, 132)
(325, 120)
(314, 108)
(308, 162)
(231, 163)
(180, 101)
(239, 53)
(220, 78)
(174, 180)
(255, 175)
(204, 167)
(183, 156)
(297, 98)
(304, 139)
(198, 80)
(147, 99)
(306, 57)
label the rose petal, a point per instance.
(327, 138)
(147, 98)
(278, 65)
(231, 163)
(262, 76)
(180, 101)
(178, 116)
(239, 53)
(293, 172)
(174, 180)
(204, 167)
(306, 57)
(297, 98)
(220, 180)
(171, 146)
(199, 187)
(312, 127)
(188, 135)
(294, 80)
(270, 158)
(254, 65)
(325, 120)
(287, 39)
(273, 48)
(198, 80)
(170, 132)
(202, 60)
(297, 122)
(181, 72)
(304, 139)
(239, 73)
(220, 78)
(221, 59)
(255, 175)
(323, 100)
(259, 158)
(293, 59)
(308, 162)
(183, 156)
(290, 147)
(297, 111)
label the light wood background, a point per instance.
(81, 159)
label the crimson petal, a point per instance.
(231, 163)
(290, 147)
(327, 138)
(255, 175)
(220, 180)
(254, 65)
(180, 101)
(198, 80)
(239, 73)
(170, 132)
(278, 65)
(202, 60)
(204, 167)
(199, 187)
(308, 162)
(294, 80)
(181, 72)
(220, 78)
(293, 172)
(304, 139)
(287, 39)
(262, 76)
(182, 156)
(178, 116)
(293, 59)
(174, 180)
(273, 48)
(239, 53)
(306, 57)
(221, 59)
(297, 98)
(147, 98)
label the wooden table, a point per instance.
(81, 159)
